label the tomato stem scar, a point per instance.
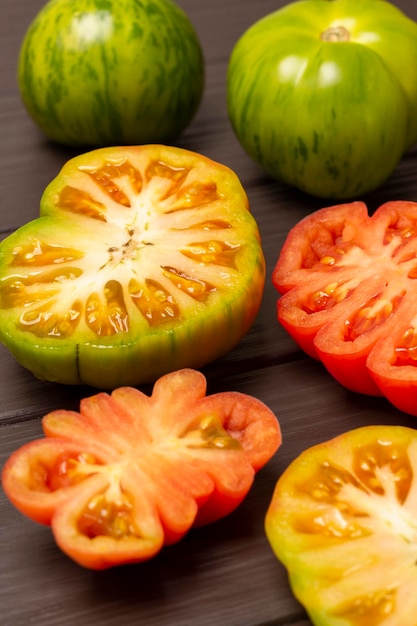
(335, 34)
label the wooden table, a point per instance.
(224, 574)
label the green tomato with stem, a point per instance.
(323, 94)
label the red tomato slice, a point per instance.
(349, 296)
(131, 472)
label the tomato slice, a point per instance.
(349, 296)
(130, 472)
(144, 260)
(343, 521)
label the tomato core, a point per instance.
(371, 608)
(335, 34)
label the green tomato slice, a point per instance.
(343, 521)
(143, 260)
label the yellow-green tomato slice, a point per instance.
(144, 260)
(343, 521)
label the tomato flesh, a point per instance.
(347, 281)
(343, 521)
(130, 473)
(140, 255)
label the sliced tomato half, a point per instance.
(343, 521)
(349, 296)
(130, 472)
(144, 260)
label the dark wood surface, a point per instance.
(224, 574)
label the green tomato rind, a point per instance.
(110, 72)
(332, 118)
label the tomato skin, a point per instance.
(130, 473)
(304, 107)
(120, 72)
(349, 299)
(144, 260)
(342, 520)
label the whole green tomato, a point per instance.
(110, 72)
(323, 94)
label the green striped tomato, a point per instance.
(323, 95)
(144, 260)
(110, 72)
